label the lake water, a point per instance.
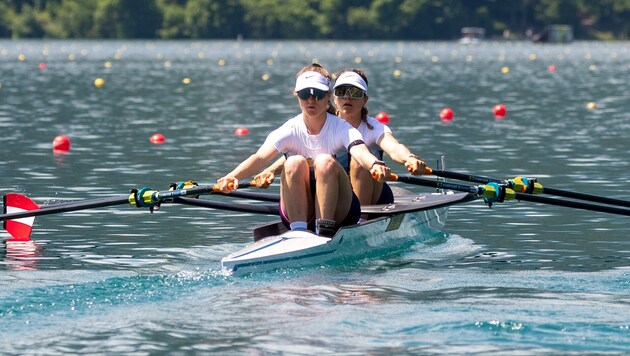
(519, 278)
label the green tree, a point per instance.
(173, 19)
(281, 19)
(7, 14)
(27, 24)
(77, 18)
(212, 18)
(127, 19)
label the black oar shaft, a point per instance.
(583, 196)
(440, 185)
(546, 190)
(125, 199)
(466, 177)
(518, 196)
(67, 207)
(271, 209)
(271, 197)
(573, 204)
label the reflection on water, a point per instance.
(21, 255)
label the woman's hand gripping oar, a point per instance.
(272, 209)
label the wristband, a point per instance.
(412, 156)
(379, 162)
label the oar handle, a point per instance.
(250, 184)
(394, 177)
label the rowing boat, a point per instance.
(412, 217)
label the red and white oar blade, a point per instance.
(21, 228)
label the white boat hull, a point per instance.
(412, 218)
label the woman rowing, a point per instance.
(350, 92)
(315, 191)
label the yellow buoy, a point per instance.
(505, 70)
(186, 80)
(99, 82)
(266, 76)
(591, 105)
(397, 73)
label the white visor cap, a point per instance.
(351, 78)
(312, 79)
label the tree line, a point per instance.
(308, 19)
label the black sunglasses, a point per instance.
(304, 94)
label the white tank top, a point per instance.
(292, 138)
(371, 137)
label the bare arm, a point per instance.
(368, 161)
(267, 176)
(401, 154)
(247, 168)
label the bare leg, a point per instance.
(367, 189)
(334, 192)
(295, 190)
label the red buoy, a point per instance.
(382, 117)
(42, 66)
(241, 131)
(61, 143)
(157, 139)
(446, 114)
(499, 111)
(552, 68)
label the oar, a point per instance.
(530, 186)
(271, 197)
(493, 192)
(144, 197)
(66, 207)
(271, 209)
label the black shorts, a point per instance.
(387, 196)
(351, 218)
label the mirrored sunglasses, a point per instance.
(304, 94)
(343, 90)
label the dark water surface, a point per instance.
(519, 278)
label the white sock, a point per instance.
(298, 225)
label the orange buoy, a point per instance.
(382, 117)
(499, 111)
(157, 139)
(241, 131)
(61, 143)
(446, 114)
